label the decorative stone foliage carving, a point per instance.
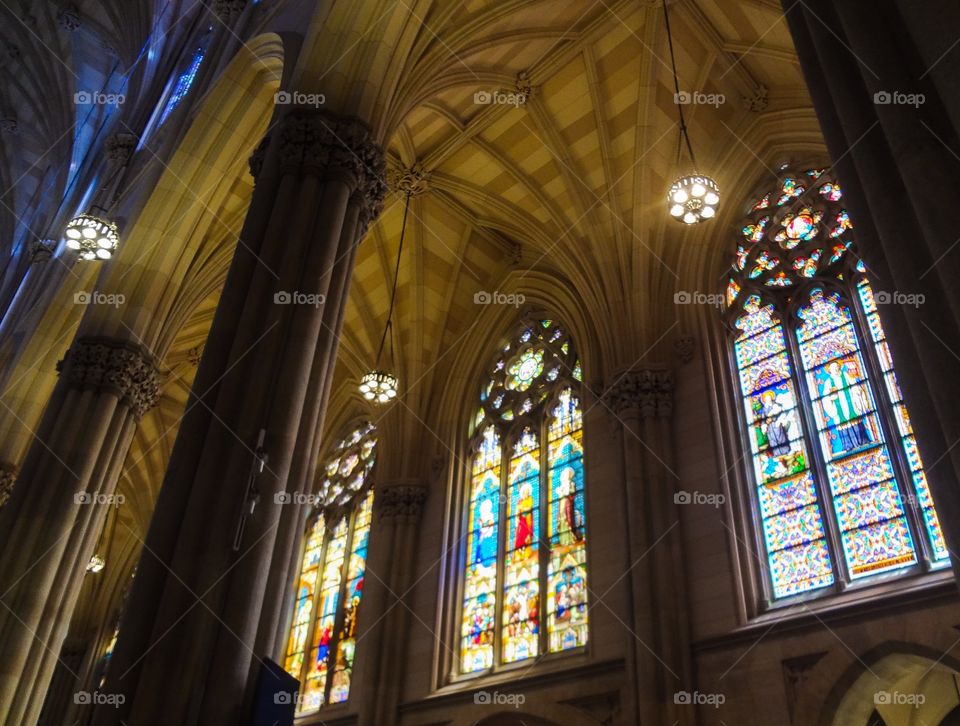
(9, 125)
(105, 364)
(401, 501)
(229, 10)
(120, 148)
(8, 475)
(759, 101)
(41, 251)
(414, 180)
(684, 347)
(322, 143)
(69, 18)
(648, 391)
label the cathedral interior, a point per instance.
(578, 362)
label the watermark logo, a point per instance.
(98, 498)
(686, 297)
(913, 299)
(298, 98)
(96, 297)
(299, 298)
(98, 98)
(896, 698)
(699, 98)
(708, 498)
(500, 98)
(686, 698)
(297, 498)
(495, 698)
(896, 98)
(498, 298)
(96, 698)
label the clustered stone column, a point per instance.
(58, 507)
(399, 507)
(204, 609)
(642, 400)
(884, 86)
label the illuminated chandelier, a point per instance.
(94, 237)
(381, 386)
(96, 564)
(693, 197)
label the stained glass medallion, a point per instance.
(817, 416)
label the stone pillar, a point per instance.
(189, 644)
(58, 507)
(399, 506)
(642, 400)
(893, 160)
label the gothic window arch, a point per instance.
(329, 587)
(840, 496)
(524, 525)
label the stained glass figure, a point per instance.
(829, 440)
(182, 87)
(330, 585)
(525, 524)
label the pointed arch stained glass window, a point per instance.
(840, 490)
(329, 589)
(525, 525)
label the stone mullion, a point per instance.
(404, 503)
(103, 383)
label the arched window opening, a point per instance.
(840, 490)
(329, 589)
(525, 525)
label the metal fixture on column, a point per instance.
(693, 197)
(379, 385)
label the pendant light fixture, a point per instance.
(693, 197)
(379, 385)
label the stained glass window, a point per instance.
(329, 588)
(840, 491)
(182, 87)
(525, 526)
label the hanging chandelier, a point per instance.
(94, 237)
(693, 197)
(381, 386)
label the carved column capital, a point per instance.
(121, 367)
(120, 148)
(229, 10)
(401, 500)
(332, 146)
(649, 392)
(69, 18)
(8, 475)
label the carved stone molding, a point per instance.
(257, 157)
(332, 146)
(105, 364)
(8, 475)
(414, 180)
(648, 391)
(684, 347)
(401, 501)
(69, 18)
(120, 148)
(229, 10)
(759, 101)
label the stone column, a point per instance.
(58, 507)
(642, 401)
(189, 644)
(399, 506)
(896, 180)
